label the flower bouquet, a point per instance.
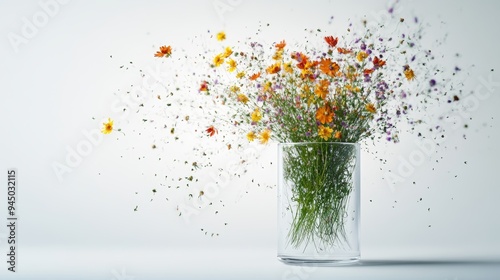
(320, 100)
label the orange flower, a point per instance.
(164, 51)
(321, 89)
(281, 45)
(337, 135)
(378, 62)
(328, 67)
(368, 71)
(331, 41)
(273, 69)
(255, 76)
(343, 51)
(211, 130)
(325, 114)
(409, 74)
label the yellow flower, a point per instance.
(409, 74)
(273, 69)
(268, 86)
(288, 67)
(234, 89)
(218, 60)
(256, 115)
(371, 108)
(251, 136)
(264, 136)
(227, 52)
(325, 132)
(361, 56)
(232, 65)
(107, 127)
(278, 55)
(240, 75)
(242, 98)
(321, 89)
(221, 36)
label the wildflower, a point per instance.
(328, 67)
(288, 67)
(251, 136)
(281, 45)
(264, 136)
(371, 108)
(256, 115)
(321, 89)
(255, 76)
(227, 52)
(337, 135)
(164, 51)
(409, 74)
(325, 132)
(361, 56)
(232, 65)
(108, 127)
(240, 75)
(325, 114)
(242, 98)
(204, 86)
(344, 51)
(368, 71)
(273, 69)
(332, 42)
(234, 89)
(218, 60)
(221, 36)
(278, 55)
(211, 130)
(377, 62)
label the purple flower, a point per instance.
(432, 82)
(363, 46)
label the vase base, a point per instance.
(318, 262)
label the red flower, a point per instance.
(368, 71)
(211, 130)
(378, 62)
(332, 42)
(204, 86)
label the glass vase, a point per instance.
(318, 203)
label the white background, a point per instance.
(83, 227)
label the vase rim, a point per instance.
(315, 143)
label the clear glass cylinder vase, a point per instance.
(318, 203)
